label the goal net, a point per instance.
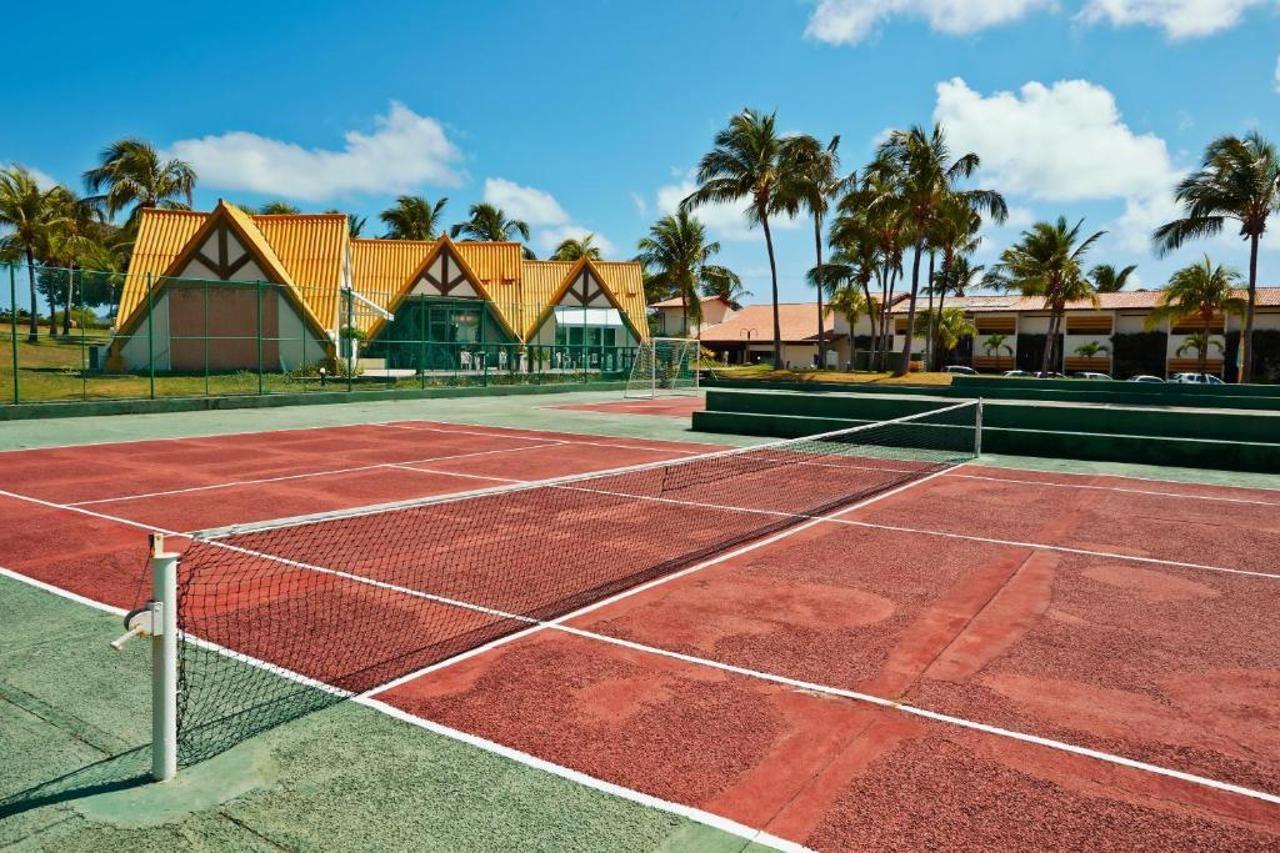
(664, 366)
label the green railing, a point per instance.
(194, 337)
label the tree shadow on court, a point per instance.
(117, 773)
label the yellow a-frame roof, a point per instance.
(304, 253)
(622, 283)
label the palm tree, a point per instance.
(573, 248)
(1046, 262)
(724, 283)
(849, 301)
(489, 223)
(955, 235)
(413, 217)
(278, 208)
(995, 343)
(131, 173)
(1092, 349)
(817, 182)
(1202, 292)
(677, 259)
(67, 242)
(1106, 279)
(1199, 342)
(29, 213)
(1239, 180)
(918, 165)
(948, 327)
(746, 163)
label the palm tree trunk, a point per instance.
(33, 328)
(1047, 356)
(871, 315)
(911, 314)
(773, 272)
(929, 342)
(822, 334)
(942, 301)
(66, 315)
(1204, 351)
(1246, 339)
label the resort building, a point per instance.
(227, 290)
(671, 316)
(1108, 337)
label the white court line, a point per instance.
(331, 472)
(640, 798)
(573, 439)
(62, 593)
(880, 701)
(93, 514)
(1130, 477)
(1153, 492)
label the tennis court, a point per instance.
(815, 647)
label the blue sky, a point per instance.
(588, 116)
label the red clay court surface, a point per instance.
(671, 407)
(1128, 626)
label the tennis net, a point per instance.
(342, 603)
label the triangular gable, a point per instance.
(442, 273)
(583, 287)
(211, 247)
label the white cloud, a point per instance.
(1277, 78)
(642, 206)
(1180, 19)
(1019, 218)
(1064, 142)
(537, 207)
(725, 220)
(548, 238)
(43, 179)
(404, 151)
(851, 21)
(551, 224)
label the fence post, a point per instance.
(151, 339)
(84, 353)
(258, 291)
(204, 292)
(13, 328)
(348, 334)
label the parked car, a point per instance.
(1052, 374)
(1091, 375)
(960, 370)
(1145, 377)
(1015, 373)
(1196, 379)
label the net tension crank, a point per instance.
(158, 619)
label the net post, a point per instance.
(164, 661)
(977, 431)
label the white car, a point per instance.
(960, 370)
(1015, 373)
(1086, 374)
(1145, 377)
(1196, 379)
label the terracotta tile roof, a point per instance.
(798, 320)
(676, 303)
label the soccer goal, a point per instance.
(664, 366)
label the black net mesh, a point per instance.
(279, 619)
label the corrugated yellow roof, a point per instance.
(626, 280)
(166, 235)
(312, 249)
(380, 269)
(542, 280)
(162, 234)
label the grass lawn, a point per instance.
(53, 369)
(764, 371)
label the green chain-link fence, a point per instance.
(94, 338)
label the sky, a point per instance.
(591, 116)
